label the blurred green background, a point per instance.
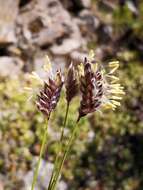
(108, 155)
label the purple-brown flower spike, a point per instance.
(88, 102)
(71, 84)
(50, 94)
(98, 88)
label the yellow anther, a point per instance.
(117, 91)
(47, 66)
(114, 66)
(116, 97)
(36, 77)
(27, 89)
(59, 78)
(116, 103)
(113, 63)
(117, 85)
(109, 106)
(113, 78)
(81, 69)
(94, 67)
(103, 71)
(91, 55)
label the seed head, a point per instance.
(48, 90)
(49, 95)
(88, 102)
(98, 88)
(71, 84)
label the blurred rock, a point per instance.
(91, 136)
(45, 173)
(47, 22)
(133, 6)
(88, 23)
(109, 4)
(24, 2)
(58, 62)
(84, 3)
(10, 66)
(40, 23)
(14, 50)
(62, 186)
(89, 18)
(69, 43)
(66, 47)
(77, 56)
(1, 185)
(76, 4)
(8, 14)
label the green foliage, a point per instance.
(123, 19)
(111, 155)
(21, 126)
(106, 155)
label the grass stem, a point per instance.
(60, 148)
(40, 157)
(66, 152)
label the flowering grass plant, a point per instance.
(99, 89)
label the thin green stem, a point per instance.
(67, 150)
(40, 157)
(61, 141)
(64, 125)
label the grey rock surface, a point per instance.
(45, 173)
(8, 14)
(10, 66)
(76, 4)
(46, 23)
(85, 3)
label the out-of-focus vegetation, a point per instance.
(109, 151)
(109, 147)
